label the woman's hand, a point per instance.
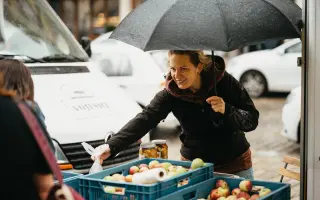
(104, 152)
(217, 104)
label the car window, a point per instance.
(294, 49)
(116, 65)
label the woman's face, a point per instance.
(183, 72)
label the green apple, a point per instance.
(197, 163)
(108, 178)
(172, 168)
(264, 192)
(166, 165)
(181, 170)
(109, 189)
(153, 164)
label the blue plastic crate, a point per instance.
(74, 183)
(93, 184)
(280, 191)
(68, 175)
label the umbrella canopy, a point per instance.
(208, 24)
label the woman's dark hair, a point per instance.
(16, 77)
(198, 56)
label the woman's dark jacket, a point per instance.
(212, 136)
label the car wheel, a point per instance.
(254, 82)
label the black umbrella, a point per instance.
(208, 24)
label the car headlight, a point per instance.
(61, 158)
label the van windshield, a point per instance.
(31, 28)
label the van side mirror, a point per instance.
(85, 43)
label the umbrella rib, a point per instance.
(225, 27)
(158, 24)
(281, 13)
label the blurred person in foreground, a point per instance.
(24, 170)
(214, 111)
(17, 77)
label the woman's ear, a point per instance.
(199, 68)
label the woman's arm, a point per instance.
(149, 118)
(243, 115)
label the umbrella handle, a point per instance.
(214, 74)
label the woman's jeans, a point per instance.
(247, 174)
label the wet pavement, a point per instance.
(268, 146)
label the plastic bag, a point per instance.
(96, 167)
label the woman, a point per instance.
(17, 77)
(214, 111)
(25, 172)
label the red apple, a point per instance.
(143, 169)
(244, 195)
(245, 185)
(224, 191)
(215, 194)
(143, 165)
(264, 192)
(231, 197)
(235, 191)
(133, 170)
(254, 197)
(128, 178)
(221, 183)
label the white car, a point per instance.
(131, 68)
(272, 70)
(291, 115)
(80, 104)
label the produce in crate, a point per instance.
(255, 197)
(264, 192)
(235, 191)
(133, 170)
(197, 163)
(245, 185)
(153, 164)
(221, 191)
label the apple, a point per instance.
(235, 191)
(133, 170)
(118, 177)
(128, 178)
(221, 183)
(254, 197)
(215, 194)
(153, 163)
(172, 168)
(231, 197)
(171, 174)
(224, 191)
(143, 165)
(108, 178)
(143, 169)
(221, 198)
(181, 170)
(197, 163)
(242, 198)
(244, 195)
(166, 165)
(109, 189)
(245, 185)
(264, 192)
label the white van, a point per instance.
(79, 103)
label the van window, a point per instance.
(116, 65)
(294, 49)
(30, 28)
